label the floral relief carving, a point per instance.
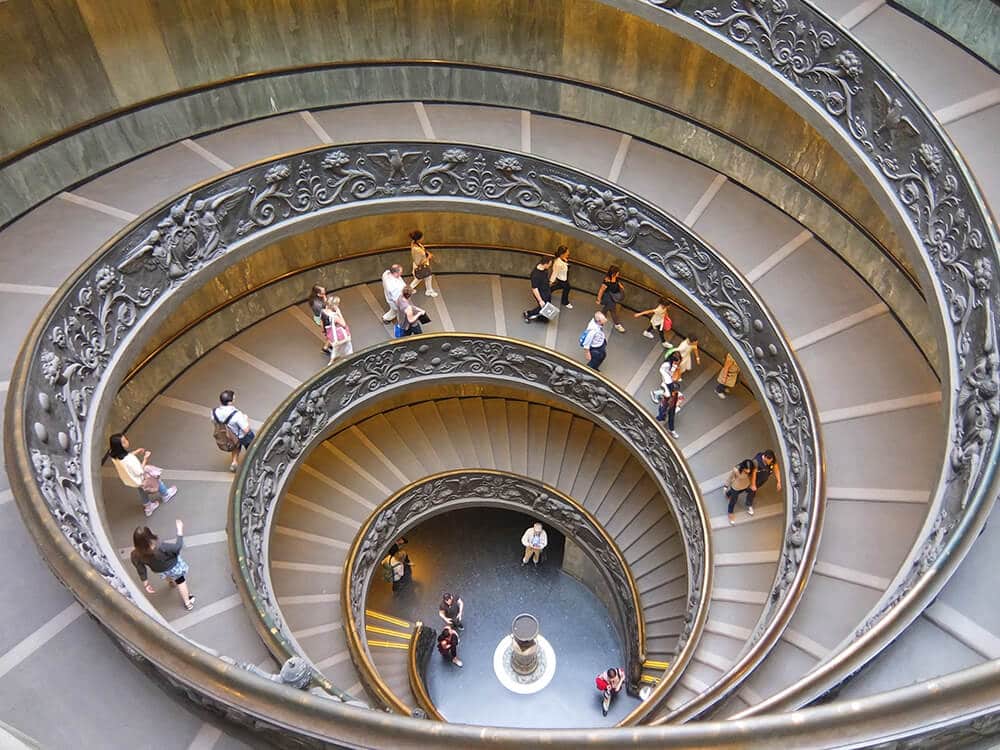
(906, 147)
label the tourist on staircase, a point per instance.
(317, 300)
(541, 291)
(231, 428)
(559, 278)
(139, 473)
(669, 395)
(765, 465)
(659, 321)
(408, 315)
(163, 558)
(611, 294)
(595, 342)
(451, 610)
(338, 334)
(728, 376)
(421, 264)
(688, 348)
(737, 483)
(392, 286)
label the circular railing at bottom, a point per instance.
(441, 493)
(324, 403)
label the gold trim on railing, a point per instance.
(417, 685)
(360, 655)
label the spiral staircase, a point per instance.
(862, 332)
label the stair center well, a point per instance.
(477, 553)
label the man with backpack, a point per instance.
(231, 428)
(594, 341)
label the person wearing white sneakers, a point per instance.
(611, 294)
(764, 465)
(392, 286)
(139, 473)
(421, 257)
(559, 278)
(736, 484)
(149, 553)
(728, 375)
(659, 321)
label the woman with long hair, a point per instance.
(559, 278)
(421, 258)
(134, 470)
(149, 553)
(336, 329)
(611, 294)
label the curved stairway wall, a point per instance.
(939, 619)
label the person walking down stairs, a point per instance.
(541, 291)
(660, 323)
(231, 428)
(338, 334)
(392, 286)
(611, 295)
(737, 483)
(559, 277)
(139, 473)
(421, 257)
(595, 342)
(728, 376)
(149, 553)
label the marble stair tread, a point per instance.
(644, 496)
(555, 448)
(452, 415)
(381, 433)
(408, 431)
(538, 438)
(495, 410)
(478, 430)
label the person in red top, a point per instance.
(610, 684)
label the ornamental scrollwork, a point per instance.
(907, 149)
(329, 397)
(146, 267)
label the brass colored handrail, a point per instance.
(357, 577)
(415, 673)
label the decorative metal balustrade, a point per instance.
(441, 493)
(864, 109)
(325, 403)
(83, 340)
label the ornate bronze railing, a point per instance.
(86, 337)
(324, 404)
(868, 113)
(421, 647)
(440, 493)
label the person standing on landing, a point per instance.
(559, 277)
(595, 341)
(163, 558)
(764, 465)
(451, 610)
(392, 286)
(728, 376)
(534, 540)
(448, 645)
(238, 425)
(135, 471)
(610, 683)
(737, 483)
(421, 257)
(659, 321)
(611, 294)
(540, 290)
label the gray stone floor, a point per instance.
(485, 570)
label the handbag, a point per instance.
(424, 319)
(549, 311)
(422, 271)
(341, 334)
(151, 478)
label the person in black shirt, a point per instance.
(163, 558)
(540, 289)
(451, 609)
(448, 645)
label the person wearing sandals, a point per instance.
(611, 294)
(149, 553)
(335, 327)
(134, 470)
(559, 278)
(421, 257)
